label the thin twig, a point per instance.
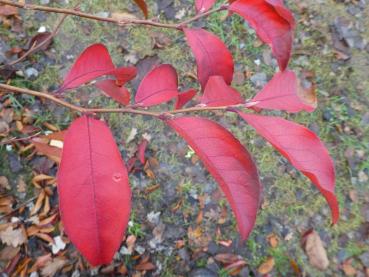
(36, 46)
(7, 88)
(18, 207)
(205, 14)
(9, 141)
(120, 22)
(12, 89)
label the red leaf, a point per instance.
(159, 86)
(94, 193)
(141, 150)
(228, 162)
(142, 5)
(124, 74)
(303, 149)
(212, 56)
(94, 62)
(184, 97)
(119, 94)
(218, 93)
(273, 23)
(283, 92)
(204, 5)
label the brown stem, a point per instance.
(12, 89)
(8, 88)
(12, 140)
(121, 22)
(205, 14)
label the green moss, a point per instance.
(281, 259)
(49, 77)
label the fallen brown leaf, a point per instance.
(39, 202)
(52, 267)
(51, 127)
(267, 266)
(40, 262)
(145, 266)
(307, 89)
(38, 180)
(4, 183)
(228, 258)
(8, 253)
(315, 250)
(225, 243)
(21, 185)
(273, 240)
(45, 237)
(13, 237)
(131, 241)
(38, 39)
(6, 10)
(6, 204)
(348, 269)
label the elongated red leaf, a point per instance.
(218, 93)
(204, 5)
(284, 92)
(159, 86)
(143, 6)
(124, 74)
(273, 23)
(303, 149)
(94, 62)
(141, 150)
(212, 56)
(110, 88)
(94, 193)
(228, 162)
(184, 97)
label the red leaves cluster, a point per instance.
(93, 182)
(94, 62)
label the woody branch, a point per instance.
(120, 22)
(12, 89)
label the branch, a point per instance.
(12, 89)
(120, 22)
(36, 46)
(12, 140)
(18, 207)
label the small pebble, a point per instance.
(31, 73)
(259, 79)
(103, 14)
(42, 29)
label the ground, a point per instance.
(180, 221)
